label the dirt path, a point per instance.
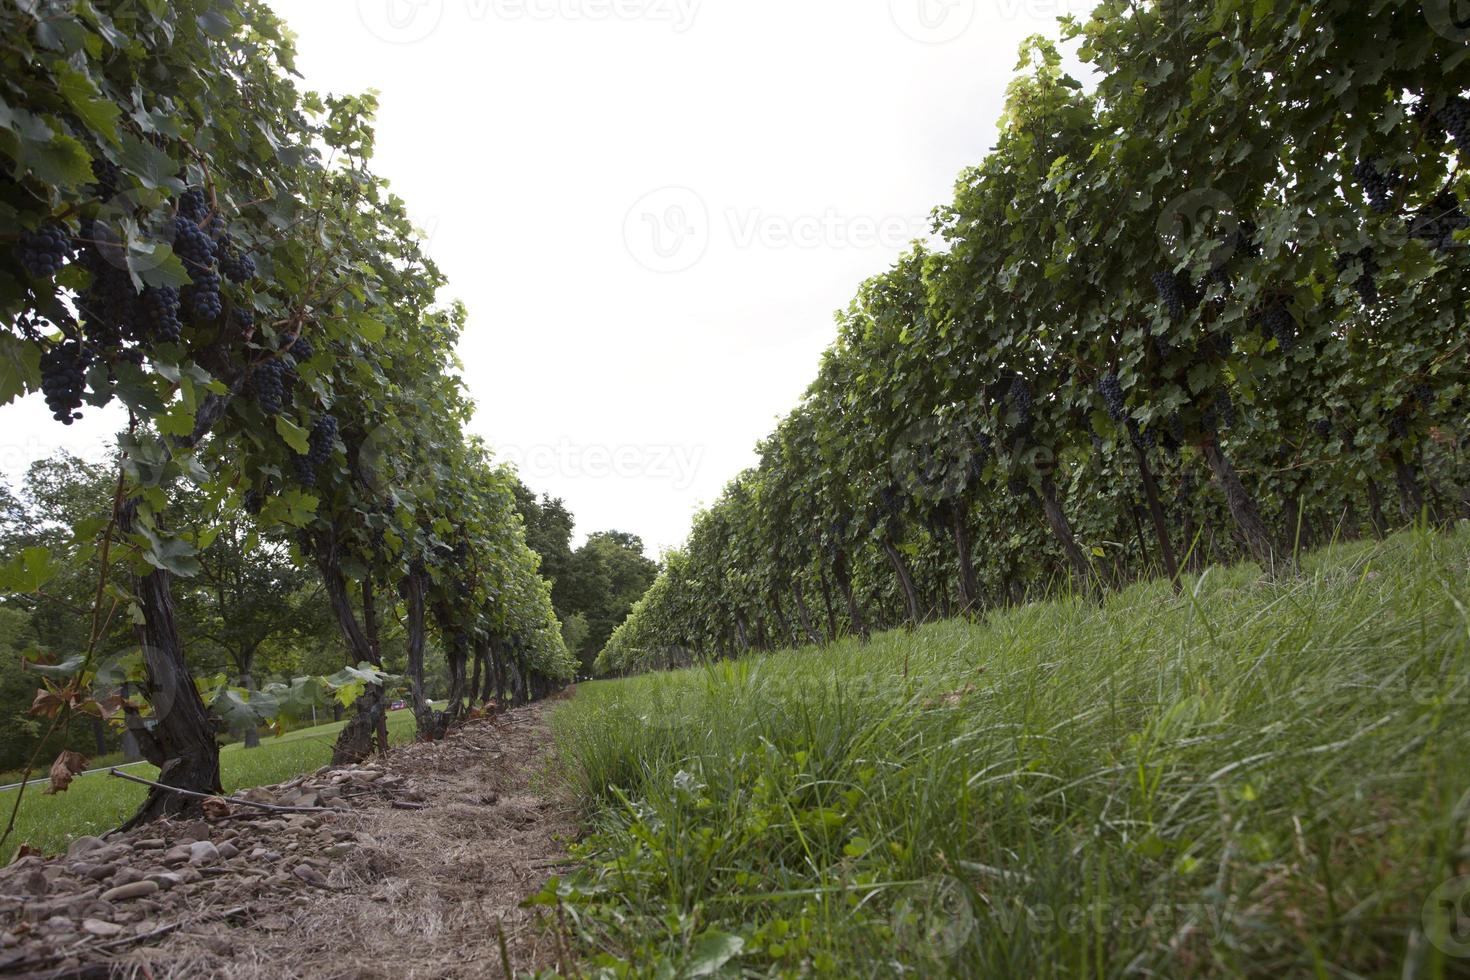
(416, 872)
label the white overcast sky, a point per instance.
(651, 208)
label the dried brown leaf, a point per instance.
(47, 703)
(64, 770)
(216, 808)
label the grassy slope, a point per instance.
(96, 803)
(1260, 778)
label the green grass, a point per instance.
(97, 802)
(1260, 778)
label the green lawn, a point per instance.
(1261, 778)
(98, 802)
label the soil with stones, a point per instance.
(409, 866)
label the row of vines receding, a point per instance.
(191, 237)
(1213, 307)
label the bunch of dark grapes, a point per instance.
(1171, 294)
(1437, 223)
(202, 296)
(64, 379)
(323, 436)
(192, 245)
(1365, 283)
(1279, 323)
(245, 317)
(253, 502)
(1172, 442)
(108, 304)
(301, 350)
(1455, 117)
(193, 205)
(1019, 486)
(1425, 396)
(305, 472)
(1217, 277)
(1225, 407)
(158, 314)
(1022, 400)
(1323, 429)
(45, 251)
(1398, 427)
(1112, 392)
(269, 383)
(107, 177)
(236, 266)
(890, 501)
(1245, 239)
(1377, 186)
(1144, 438)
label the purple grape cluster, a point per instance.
(1171, 294)
(44, 252)
(158, 314)
(1455, 117)
(193, 205)
(64, 379)
(268, 381)
(1364, 283)
(1377, 186)
(236, 266)
(1112, 392)
(1022, 400)
(1279, 323)
(107, 177)
(1437, 223)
